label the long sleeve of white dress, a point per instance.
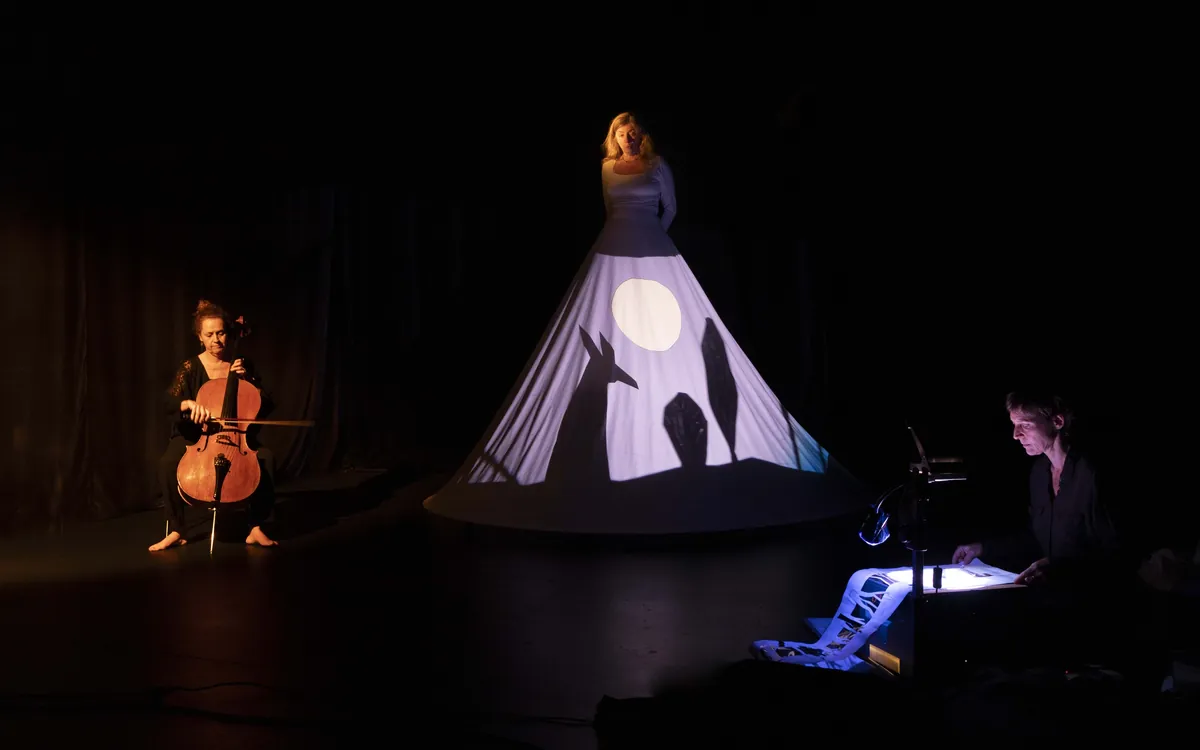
(667, 193)
(604, 191)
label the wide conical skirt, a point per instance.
(639, 413)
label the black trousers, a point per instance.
(258, 506)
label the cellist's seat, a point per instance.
(212, 535)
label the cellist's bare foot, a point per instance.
(258, 537)
(169, 540)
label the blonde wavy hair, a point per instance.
(612, 150)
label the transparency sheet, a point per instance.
(870, 599)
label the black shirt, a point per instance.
(186, 384)
(1076, 528)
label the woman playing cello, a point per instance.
(218, 333)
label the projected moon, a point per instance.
(647, 313)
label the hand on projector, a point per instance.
(1034, 573)
(966, 553)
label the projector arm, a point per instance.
(877, 528)
(923, 477)
(922, 467)
(914, 494)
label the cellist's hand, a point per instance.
(198, 413)
(238, 366)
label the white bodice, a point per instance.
(637, 196)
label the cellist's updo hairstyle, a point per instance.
(206, 309)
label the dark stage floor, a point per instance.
(375, 618)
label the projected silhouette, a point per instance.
(612, 426)
(580, 454)
(722, 390)
(688, 429)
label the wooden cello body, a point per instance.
(221, 468)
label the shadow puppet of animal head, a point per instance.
(580, 454)
(602, 365)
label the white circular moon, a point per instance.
(647, 313)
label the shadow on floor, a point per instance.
(306, 506)
(303, 509)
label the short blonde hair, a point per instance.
(1040, 403)
(612, 149)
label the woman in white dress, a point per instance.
(637, 411)
(636, 182)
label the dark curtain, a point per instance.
(105, 254)
(397, 247)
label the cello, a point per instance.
(221, 469)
